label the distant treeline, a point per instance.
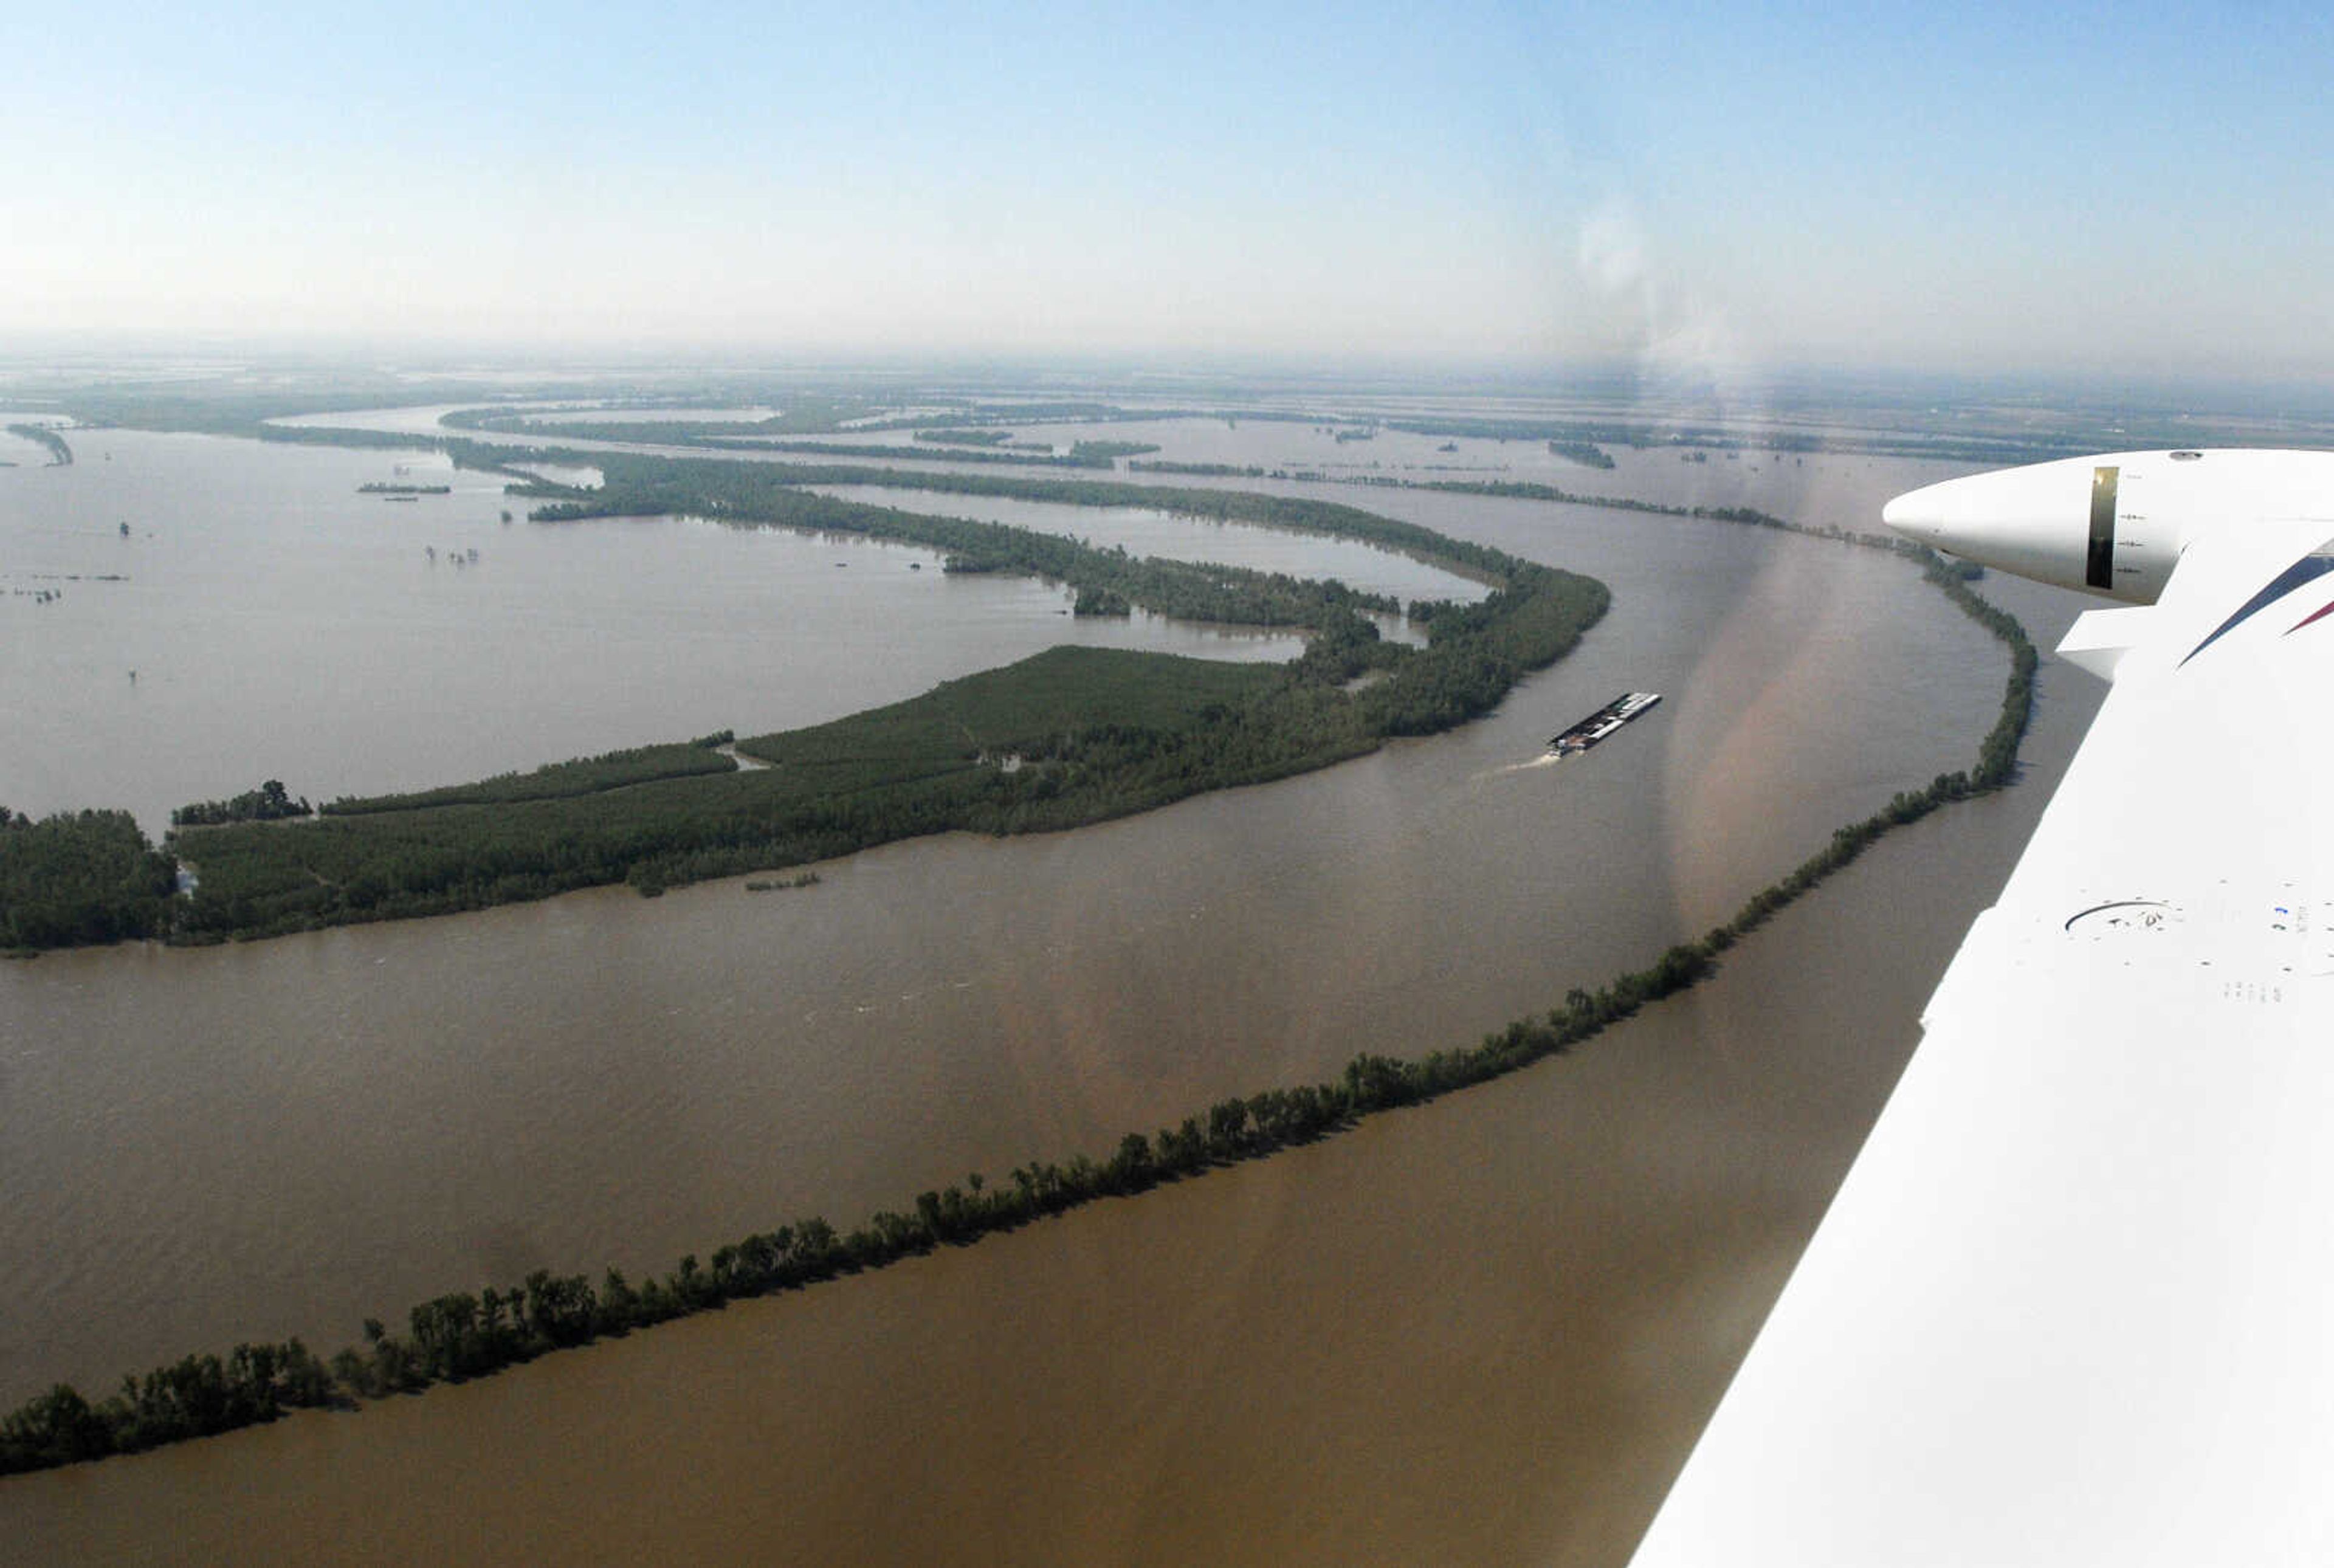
(249, 417)
(1748, 516)
(1199, 470)
(658, 816)
(654, 816)
(60, 453)
(734, 438)
(813, 416)
(1090, 734)
(2003, 435)
(1106, 454)
(553, 781)
(806, 416)
(1588, 454)
(664, 484)
(1081, 454)
(995, 437)
(1566, 435)
(868, 450)
(462, 1335)
(765, 494)
(659, 434)
(267, 804)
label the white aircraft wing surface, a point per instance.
(2074, 1302)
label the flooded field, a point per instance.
(1490, 1323)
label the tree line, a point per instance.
(60, 453)
(656, 817)
(1588, 454)
(655, 486)
(1083, 455)
(767, 494)
(77, 878)
(551, 780)
(267, 804)
(465, 1334)
(1095, 733)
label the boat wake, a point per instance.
(1546, 759)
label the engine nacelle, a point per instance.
(2115, 524)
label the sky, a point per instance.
(1712, 188)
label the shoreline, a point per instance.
(1196, 726)
(460, 1337)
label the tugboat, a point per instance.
(1603, 722)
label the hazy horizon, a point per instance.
(1708, 193)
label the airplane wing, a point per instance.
(2075, 1301)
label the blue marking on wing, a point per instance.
(2308, 568)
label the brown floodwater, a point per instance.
(1491, 1324)
(1485, 1330)
(285, 1137)
(265, 617)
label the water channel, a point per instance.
(284, 1138)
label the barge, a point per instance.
(1603, 722)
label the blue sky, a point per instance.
(1709, 188)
